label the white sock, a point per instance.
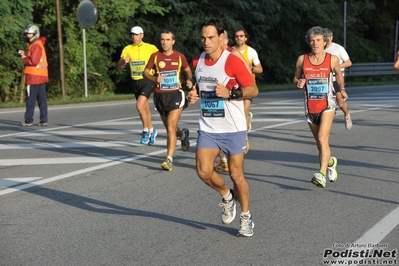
(151, 130)
(228, 196)
(145, 129)
(170, 158)
(246, 213)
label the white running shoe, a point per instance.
(332, 173)
(246, 226)
(348, 122)
(319, 180)
(229, 209)
(250, 115)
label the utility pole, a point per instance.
(396, 40)
(345, 24)
(61, 50)
(345, 9)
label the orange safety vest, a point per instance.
(41, 68)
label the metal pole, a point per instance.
(84, 60)
(61, 50)
(345, 24)
(396, 40)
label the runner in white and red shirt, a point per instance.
(223, 82)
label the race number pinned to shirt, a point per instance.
(137, 68)
(211, 105)
(317, 88)
(170, 80)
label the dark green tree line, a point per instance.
(276, 28)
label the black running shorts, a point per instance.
(169, 101)
(142, 87)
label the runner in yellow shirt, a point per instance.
(137, 55)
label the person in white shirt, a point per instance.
(251, 56)
(396, 64)
(344, 62)
(223, 81)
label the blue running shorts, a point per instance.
(230, 143)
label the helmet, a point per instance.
(31, 29)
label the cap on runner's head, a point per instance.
(136, 30)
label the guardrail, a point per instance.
(370, 69)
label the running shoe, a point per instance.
(246, 226)
(250, 115)
(42, 124)
(222, 166)
(319, 180)
(167, 164)
(185, 143)
(229, 209)
(145, 137)
(332, 173)
(152, 137)
(24, 124)
(348, 122)
(248, 146)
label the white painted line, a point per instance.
(86, 170)
(84, 133)
(68, 145)
(381, 229)
(62, 107)
(280, 125)
(9, 182)
(276, 107)
(58, 128)
(294, 102)
(127, 123)
(254, 120)
(299, 112)
(374, 235)
(65, 160)
(376, 105)
(304, 119)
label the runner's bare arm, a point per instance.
(298, 81)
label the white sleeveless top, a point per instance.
(218, 115)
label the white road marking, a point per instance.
(374, 235)
(63, 160)
(381, 229)
(78, 172)
(9, 182)
(68, 145)
(96, 105)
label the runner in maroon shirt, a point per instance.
(169, 98)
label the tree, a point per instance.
(276, 28)
(101, 42)
(14, 16)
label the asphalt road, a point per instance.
(84, 191)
